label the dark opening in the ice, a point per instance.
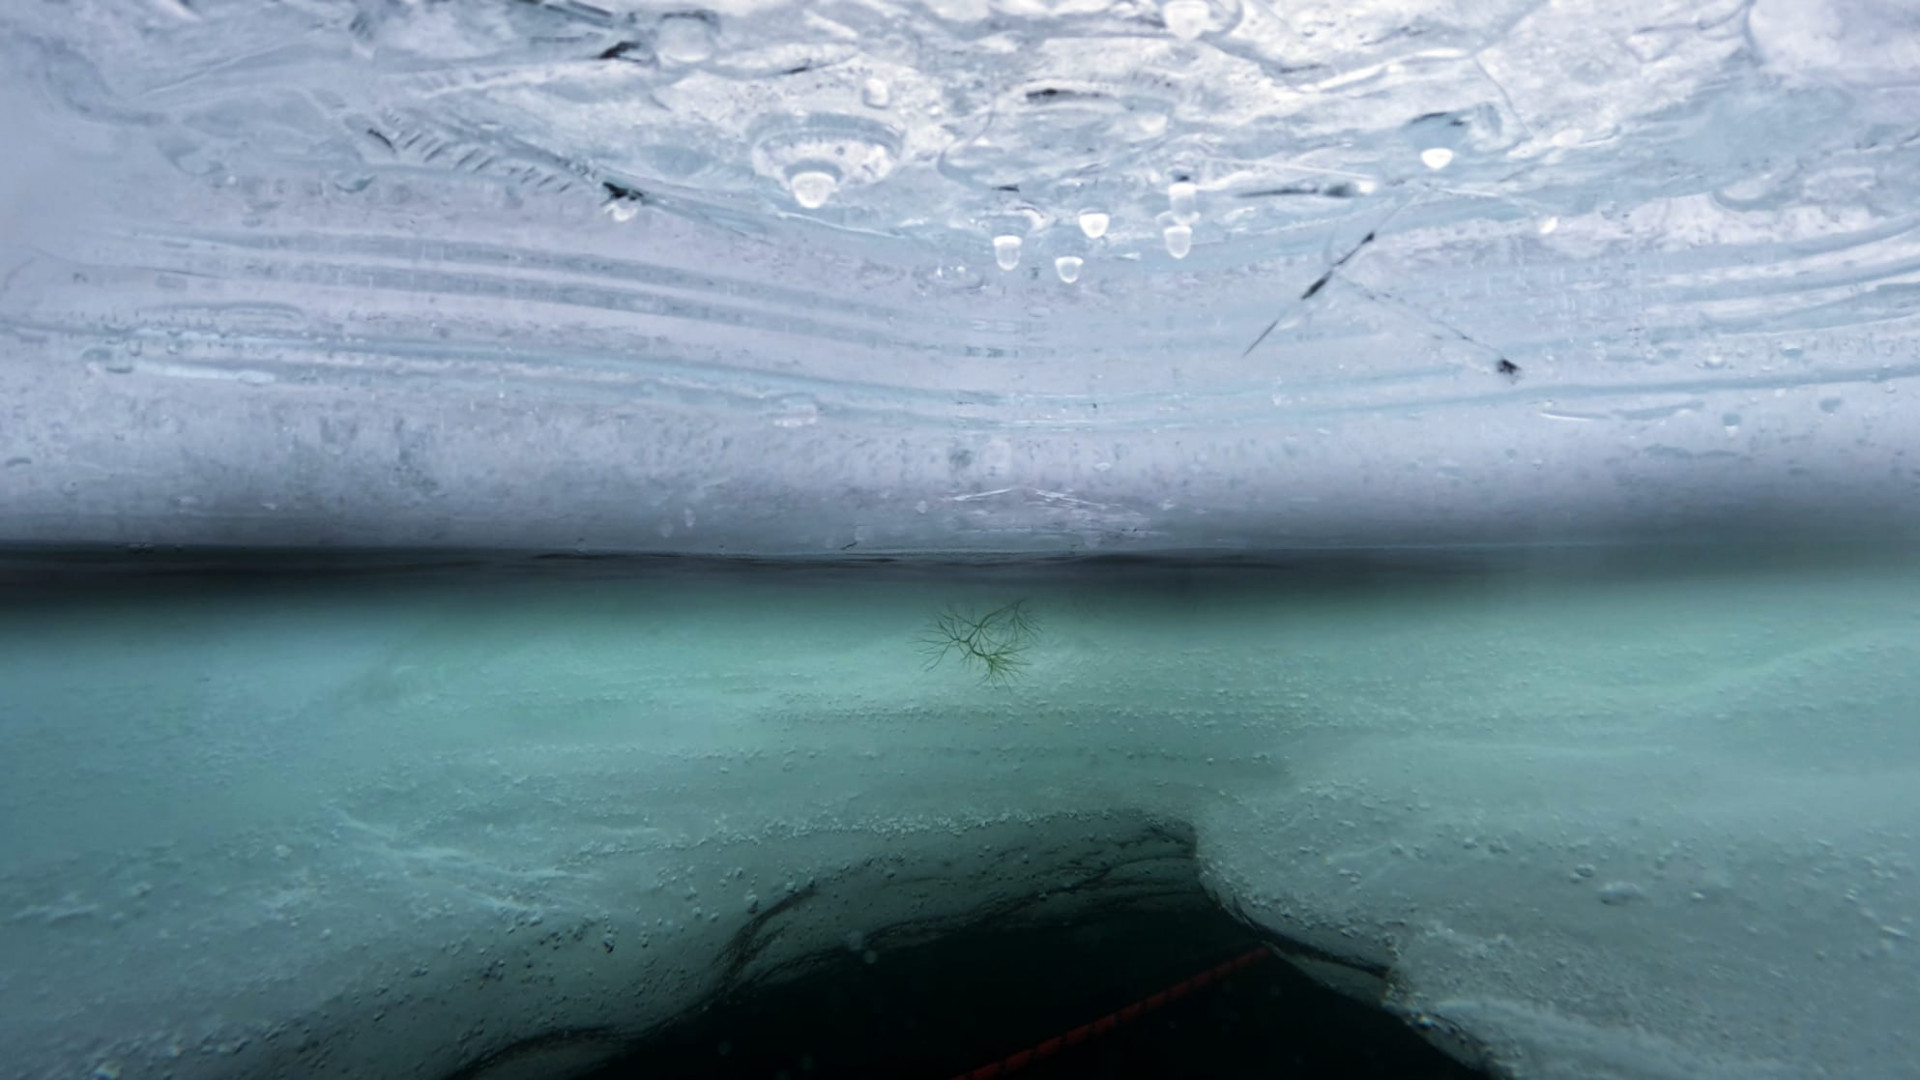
(976, 997)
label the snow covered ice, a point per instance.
(1577, 340)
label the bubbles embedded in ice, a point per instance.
(622, 210)
(1179, 240)
(1068, 267)
(1006, 251)
(1047, 96)
(1183, 202)
(848, 151)
(953, 276)
(686, 38)
(812, 188)
(1436, 157)
(1094, 223)
(1186, 19)
(1548, 225)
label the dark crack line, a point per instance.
(1445, 329)
(748, 942)
(1321, 281)
(523, 1049)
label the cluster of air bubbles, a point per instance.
(1176, 225)
(1009, 230)
(1010, 233)
(1093, 225)
(814, 159)
(817, 158)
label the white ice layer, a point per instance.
(787, 277)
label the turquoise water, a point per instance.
(1552, 791)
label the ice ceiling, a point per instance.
(1019, 274)
(960, 122)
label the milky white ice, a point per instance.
(1031, 276)
(1066, 274)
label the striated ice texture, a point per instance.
(333, 272)
(786, 277)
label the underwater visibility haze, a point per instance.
(534, 528)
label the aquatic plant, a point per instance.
(996, 643)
